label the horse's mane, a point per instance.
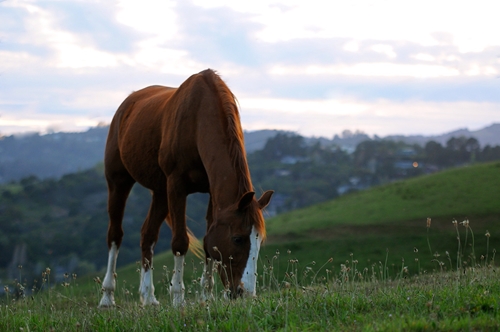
(237, 152)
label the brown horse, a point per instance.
(177, 141)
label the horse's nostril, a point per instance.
(239, 291)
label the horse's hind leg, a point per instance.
(118, 190)
(149, 237)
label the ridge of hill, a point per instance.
(388, 222)
(56, 154)
(459, 192)
(486, 136)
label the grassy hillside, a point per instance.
(384, 225)
(390, 221)
(454, 301)
(378, 277)
(441, 302)
(459, 192)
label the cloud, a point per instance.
(314, 66)
(374, 69)
(423, 22)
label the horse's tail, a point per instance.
(195, 245)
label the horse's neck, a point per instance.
(222, 156)
(225, 183)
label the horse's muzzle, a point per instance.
(238, 292)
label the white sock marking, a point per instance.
(207, 280)
(147, 288)
(177, 284)
(109, 283)
(249, 278)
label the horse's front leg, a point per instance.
(177, 283)
(119, 188)
(207, 280)
(109, 282)
(147, 288)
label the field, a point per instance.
(367, 261)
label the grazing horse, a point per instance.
(178, 141)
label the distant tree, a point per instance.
(435, 154)
(472, 145)
(456, 143)
(473, 148)
(11, 219)
(462, 149)
(284, 144)
(379, 156)
(490, 153)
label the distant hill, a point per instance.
(486, 136)
(256, 140)
(56, 154)
(51, 155)
(490, 135)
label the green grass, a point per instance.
(349, 300)
(365, 262)
(293, 295)
(459, 192)
(393, 218)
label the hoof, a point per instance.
(149, 301)
(178, 300)
(107, 301)
(206, 297)
(153, 303)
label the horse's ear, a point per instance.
(246, 200)
(265, 199)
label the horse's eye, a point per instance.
(237, 240)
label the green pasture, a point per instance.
(367, 261)
(471, 191)
(349, 300)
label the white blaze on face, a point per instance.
(249, 277)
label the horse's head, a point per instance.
(234, 240)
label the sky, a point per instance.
(315, 67)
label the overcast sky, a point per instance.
(316, 67)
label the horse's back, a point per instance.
(135, 135)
